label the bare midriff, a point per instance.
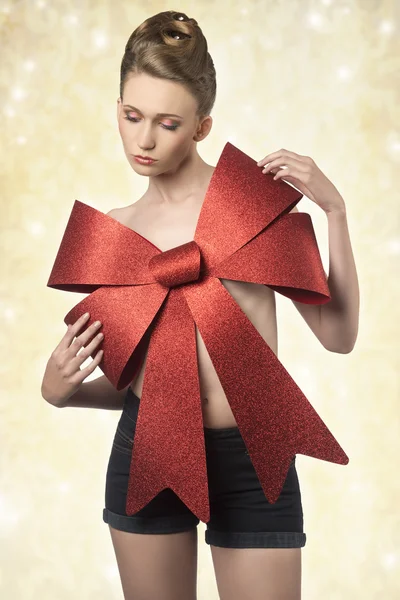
(258, 302)
(169, 229)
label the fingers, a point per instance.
(72, 331)
(88, 350)
(81, 339)
(92, 366)
(73, 374)
(73, 341)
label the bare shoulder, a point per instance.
(113, 212)
(122, 214)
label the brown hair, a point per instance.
(170, 45)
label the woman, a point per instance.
(167, 92)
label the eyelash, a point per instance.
(169, 127)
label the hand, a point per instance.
(63, 377)
(304, 174)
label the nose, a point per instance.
(145, 139)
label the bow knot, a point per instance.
(176, 266)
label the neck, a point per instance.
(186, 182)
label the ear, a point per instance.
(203, 129)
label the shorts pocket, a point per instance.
(124, 434)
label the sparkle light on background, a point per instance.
(320, 78)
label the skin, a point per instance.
(165, 566)
(168, 211)
(180, 172)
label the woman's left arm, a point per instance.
(335, 323)
(339, 317)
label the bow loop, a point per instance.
(176, 266)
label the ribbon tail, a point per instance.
(273, 415)
(169, 447)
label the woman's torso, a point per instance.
(257, 301)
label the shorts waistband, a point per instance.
(222, 433)
(131, 406)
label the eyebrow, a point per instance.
(157, 115)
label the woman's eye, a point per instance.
(135, 120)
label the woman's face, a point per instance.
(166, 138)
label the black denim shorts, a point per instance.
(240, 514)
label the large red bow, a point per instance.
(244, 232)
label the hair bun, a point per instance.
(177, 35)
(180, 17)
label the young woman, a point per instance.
(167, 92)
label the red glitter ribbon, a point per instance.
(244, 232)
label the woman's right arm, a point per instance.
(63, 381)
(97, 393)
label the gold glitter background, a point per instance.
(320, 78)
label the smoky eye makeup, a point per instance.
(137, 119)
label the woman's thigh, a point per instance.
(157, 566)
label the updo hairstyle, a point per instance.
(170, 45)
